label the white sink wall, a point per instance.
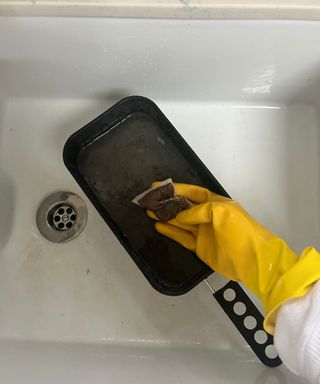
(245, 95)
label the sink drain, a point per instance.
(61, 217)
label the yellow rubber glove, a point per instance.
(227, 239)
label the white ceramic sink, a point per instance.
(245, 95)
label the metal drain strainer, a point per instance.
(64, 217)
(61, 216)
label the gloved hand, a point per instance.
(228, 240)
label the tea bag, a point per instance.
(163, 201)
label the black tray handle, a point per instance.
(232, 295)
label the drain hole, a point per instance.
(61, 216)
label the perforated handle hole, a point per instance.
(271, 351)
(229, 294)
(239, 308)
(261, 337)
(250, 322)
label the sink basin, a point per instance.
(244, 94)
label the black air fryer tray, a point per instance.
(119, 155)
(116, 157)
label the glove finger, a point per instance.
(199, 214)
(197, 194)
(184, 238)
(152, 215)
(190, 228)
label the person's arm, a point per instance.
(297, 335)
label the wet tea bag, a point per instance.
(163, 201)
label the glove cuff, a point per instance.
(294, 283)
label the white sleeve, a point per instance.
(297, 335)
